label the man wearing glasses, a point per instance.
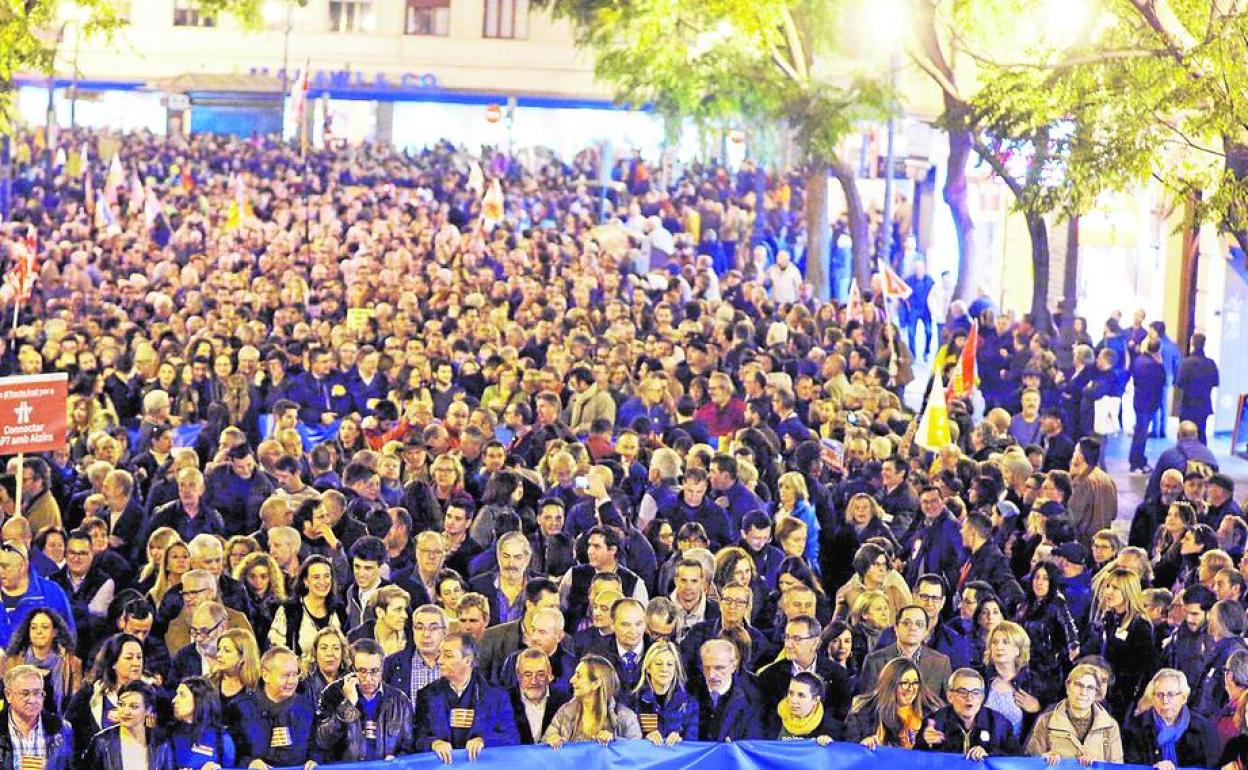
(911, 630)
(416, 667)
(196, 659)
(943, 637)
(24, 591)
(802, 652)
(32, 737)
(966, 726)
(361, 720)
(198, 587)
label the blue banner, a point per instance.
(747, 755)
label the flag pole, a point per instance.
(21, 456)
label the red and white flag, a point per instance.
(962, 380)
(893, 285)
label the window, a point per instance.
(428, 17)
(351, 16)
(186, 13)
(507, 19)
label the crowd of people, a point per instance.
(359, 468)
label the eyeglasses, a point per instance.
(929, 597)
(193, 591)
(1084, 687)
(908, 684)
(77, 553)
(204, 633)
(1167, 695)
(734, 602)
(963, 692)
(421, 628)
(31, 694)
(369, 672)
(795, 638)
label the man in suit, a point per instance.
(728, 703)
(502, 640)
(461, 710)
(533, 700)
(801, 653)
(934, 544)
(544, 631)
(628, 619)
(911, 630)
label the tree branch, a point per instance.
(794, 40)
(1161, 18)
(990, 157)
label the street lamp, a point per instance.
(274, 12)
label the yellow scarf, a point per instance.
(799, 727)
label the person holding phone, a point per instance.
(361, 720)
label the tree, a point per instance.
(31, 31)
(766, 60)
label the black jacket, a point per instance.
(340, 726)
(990, 730)
(1197, 747)
(58, 735)
(555, 698)
(773, 685)
(104, 752)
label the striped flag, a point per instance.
(114, 179)
(893, 285)
(854, 311)
(933, 433)
(963, 381)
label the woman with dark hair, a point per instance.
(314, 606)
(118, 663)
(502, 494)
(873, 571)
(198, 740)
(44, 641)
(988, 615)
(894, 711)
(265, 584)
(1051, 628)
(1166, 554)
(218, 419)
(129, 744)
(51, 543)
(1196, 541)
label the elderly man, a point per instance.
(416, 667)
(966, 726)
(198, 659)
(729, 708)
(188, 515)
(359, 718)
(24, 591)
(1150, 513)
(533, 700)
(500, 641)
(208, 553)
(802, 640)
(1093, 504)
(545, 632)
(273, 723)
(461, 710)
(1168, 734)
(198, 586)
(36, 737)
(40, 507)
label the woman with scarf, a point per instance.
(870, 615)
(894, 711)
(665, 709)
(593, 713)
(45, 642)
(802, 714)
(1164, 733)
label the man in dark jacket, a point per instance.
(274, 723)
(1149, 377)
(533, 700)
(987, 563)
(361, 720)
(1194, 741)
(1198, 376)
(1189, 647)
(801, 653)
(933, 544)
(461, 710)
(729, 708)
(966, 726)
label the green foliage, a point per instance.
(727, 60)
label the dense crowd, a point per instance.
(358, 467)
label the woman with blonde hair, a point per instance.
(265, 584)
(1122, 634)
(593, 713)
(325, 662)
(236, 668)
(862, 522)
(665, 710)
(157, 543)
(795, 502)
(870, 614)
(894, 711)
(177, 562)
(1010, 687)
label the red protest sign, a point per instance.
(32, 413)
